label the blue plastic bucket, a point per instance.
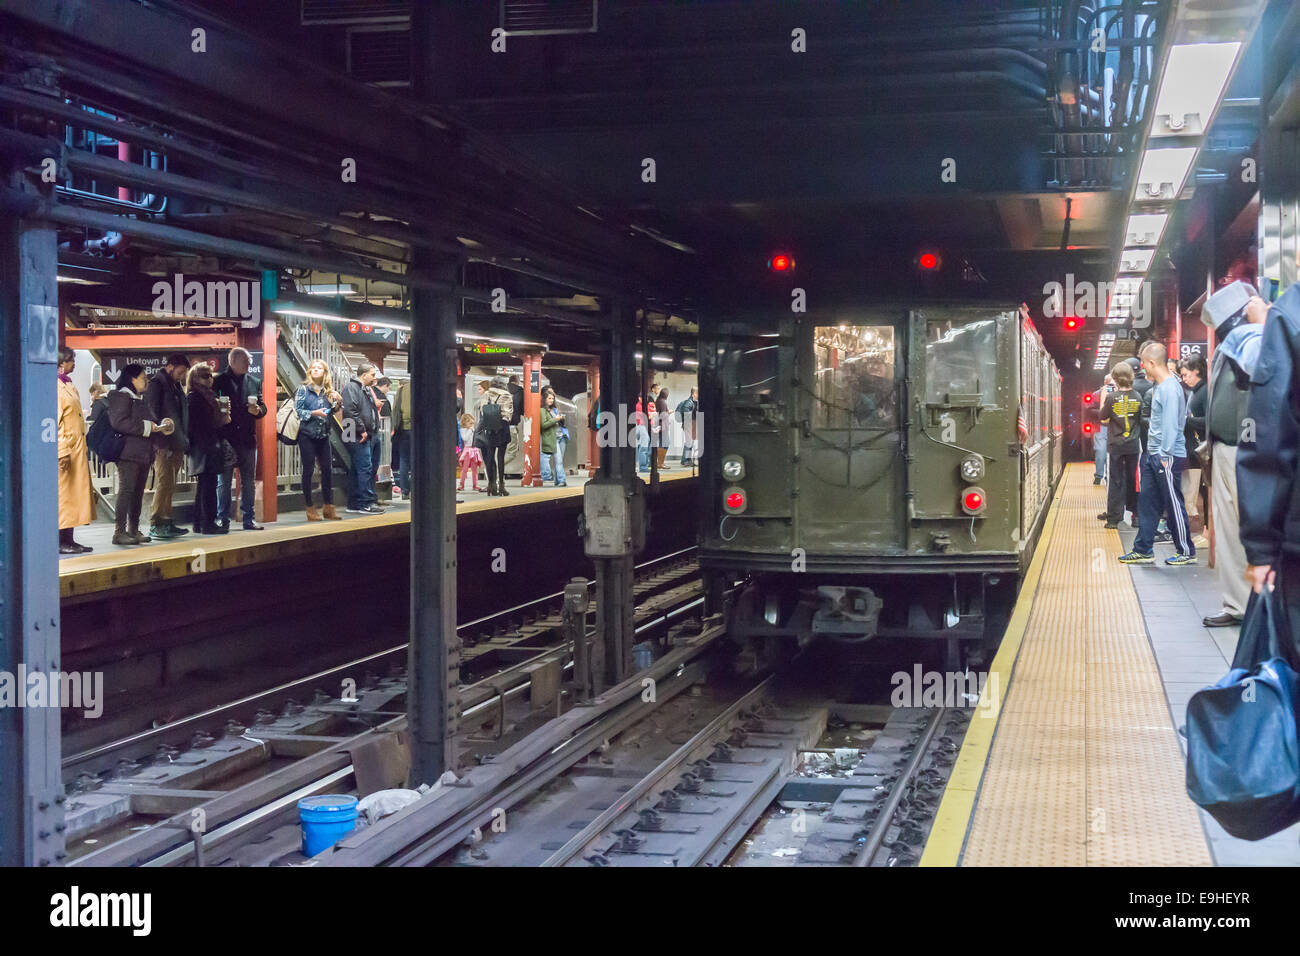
(326, 819)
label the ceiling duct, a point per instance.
(380, 55)
(317, 13)
(539, 18)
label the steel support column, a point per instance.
(615, 633)
(31, 788)
(531, 448)
(433, 671)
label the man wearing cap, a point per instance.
(1266, 460)
(1236, 313)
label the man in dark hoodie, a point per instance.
(1267, 479)
(360, 425)
(244, 393)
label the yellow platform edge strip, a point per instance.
(948, 833)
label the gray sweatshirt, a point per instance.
(1168, 416)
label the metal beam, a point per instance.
(433, 665)
(31, 788)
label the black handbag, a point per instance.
(1243, 756)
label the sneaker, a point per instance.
(1179, 560)
(175, 530)
(1096, 479)
(1136, 557)
(354, 511)
(1162, 536)
(1202, 543)
(251, 525)
(374, 510)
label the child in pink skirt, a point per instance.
(470, 457)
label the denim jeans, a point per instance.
(553, 465)
(1161, 493)
(642, 448)
(361, 488)
(402, 448)
(247, 465)
(1099, 452)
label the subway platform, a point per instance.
(1079, 761)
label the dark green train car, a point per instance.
(876, 471)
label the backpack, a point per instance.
(492, 417)
(506, 403)
(287, 422)
(101, 439)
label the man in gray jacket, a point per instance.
(1236, 313)
(1162, 464)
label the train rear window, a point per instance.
(854, 376)
(961, 362)
(751, 367)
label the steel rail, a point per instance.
(651, 781)
(877, 833)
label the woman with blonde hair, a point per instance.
(314, 402)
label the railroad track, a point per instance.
(113, 786)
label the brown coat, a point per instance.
(76, 500)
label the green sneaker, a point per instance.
(1136, 557)
(162, 532)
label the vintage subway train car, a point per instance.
(875, 471)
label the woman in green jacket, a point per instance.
(552, 456)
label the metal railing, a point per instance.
(314, 341)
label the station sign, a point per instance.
(111, 363)
(355, 332)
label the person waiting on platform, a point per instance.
(1268, 475)
(686, 411)
(165, 397)
(76, 498)
(129, 416)
(1100, 440)
(360, 423)
(403, 429)
(246, 407)
(205, 456)
(1236, 313)
(1161, 466)
(552, 422)
(1119, 414)
(1191, 371)
(98, 401)
(662, 416)
(492, 433)
(468, 455)
(314, 402)
(642, 437)
(516, 419)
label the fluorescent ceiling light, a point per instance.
(1163, 173)
(1136, 260)
(1145, 229)
(1195, 77)
(347, 288)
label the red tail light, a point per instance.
(973, 500)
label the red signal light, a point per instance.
(781, 263)
(1087, 398)
(1072, 323)
(1088, 428)
(928, 261)
(972, 500)
(735, 500)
